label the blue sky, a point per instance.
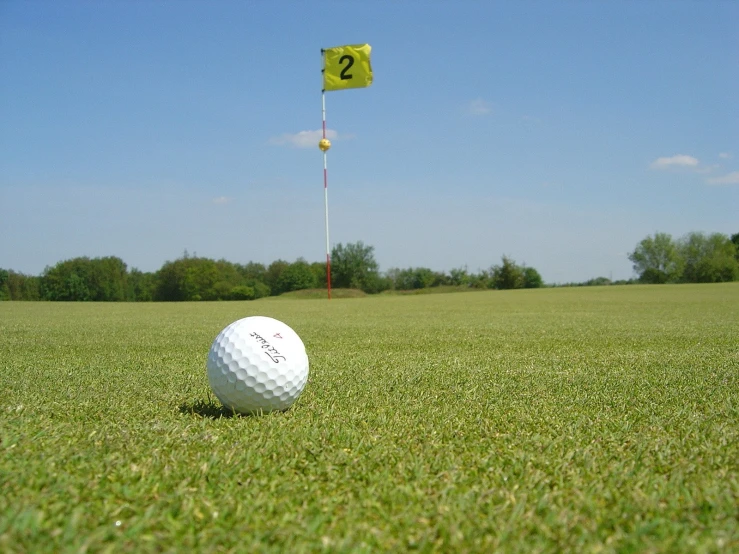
(557, 133)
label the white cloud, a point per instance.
(679, 160)
(221, 200)
(730, 179)
(303, 139)
(724, 155)
(478, 107)
(708, 168)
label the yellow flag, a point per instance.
(347, 67)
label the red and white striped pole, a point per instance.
(324, 144)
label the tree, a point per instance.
(354, 266)
(260, 289)
(413, 278)
(459, 276)
(242, 293)
(597, 282)
(4, 292)
(106, 279)
(67, 280)
(272, 276)
(141, 286)
(252, 271)
(169, 282)
(297, 276)
(319, 270)
(507, 275)
(188, 279)
(22, 287)
(82, 278)
(735, 241)
(657, 259)
(708, 258)
(76, 288)
(440, 279)
(482, 280)
(531, 278)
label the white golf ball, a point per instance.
(257, 364)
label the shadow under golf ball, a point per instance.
(209, 409)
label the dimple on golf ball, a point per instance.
(257, 365)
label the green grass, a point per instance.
(589, 419)
(319, 294)
(441, 289)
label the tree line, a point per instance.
(193, 278)
(693, 258)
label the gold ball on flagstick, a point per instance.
(324, 144)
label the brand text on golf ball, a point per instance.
(270, 350)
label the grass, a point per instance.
(589, 419)
(319, 294)
(441, 289)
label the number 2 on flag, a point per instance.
(347, 67)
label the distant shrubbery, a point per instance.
(695, 258)
(18, 286)
(598, 282)
(192, 278)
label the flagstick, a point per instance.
(325, 198)
(324, 145)
(343, 58)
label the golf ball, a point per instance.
(257, 364)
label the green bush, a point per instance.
(242, 293)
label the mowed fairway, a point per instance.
(591, 419)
